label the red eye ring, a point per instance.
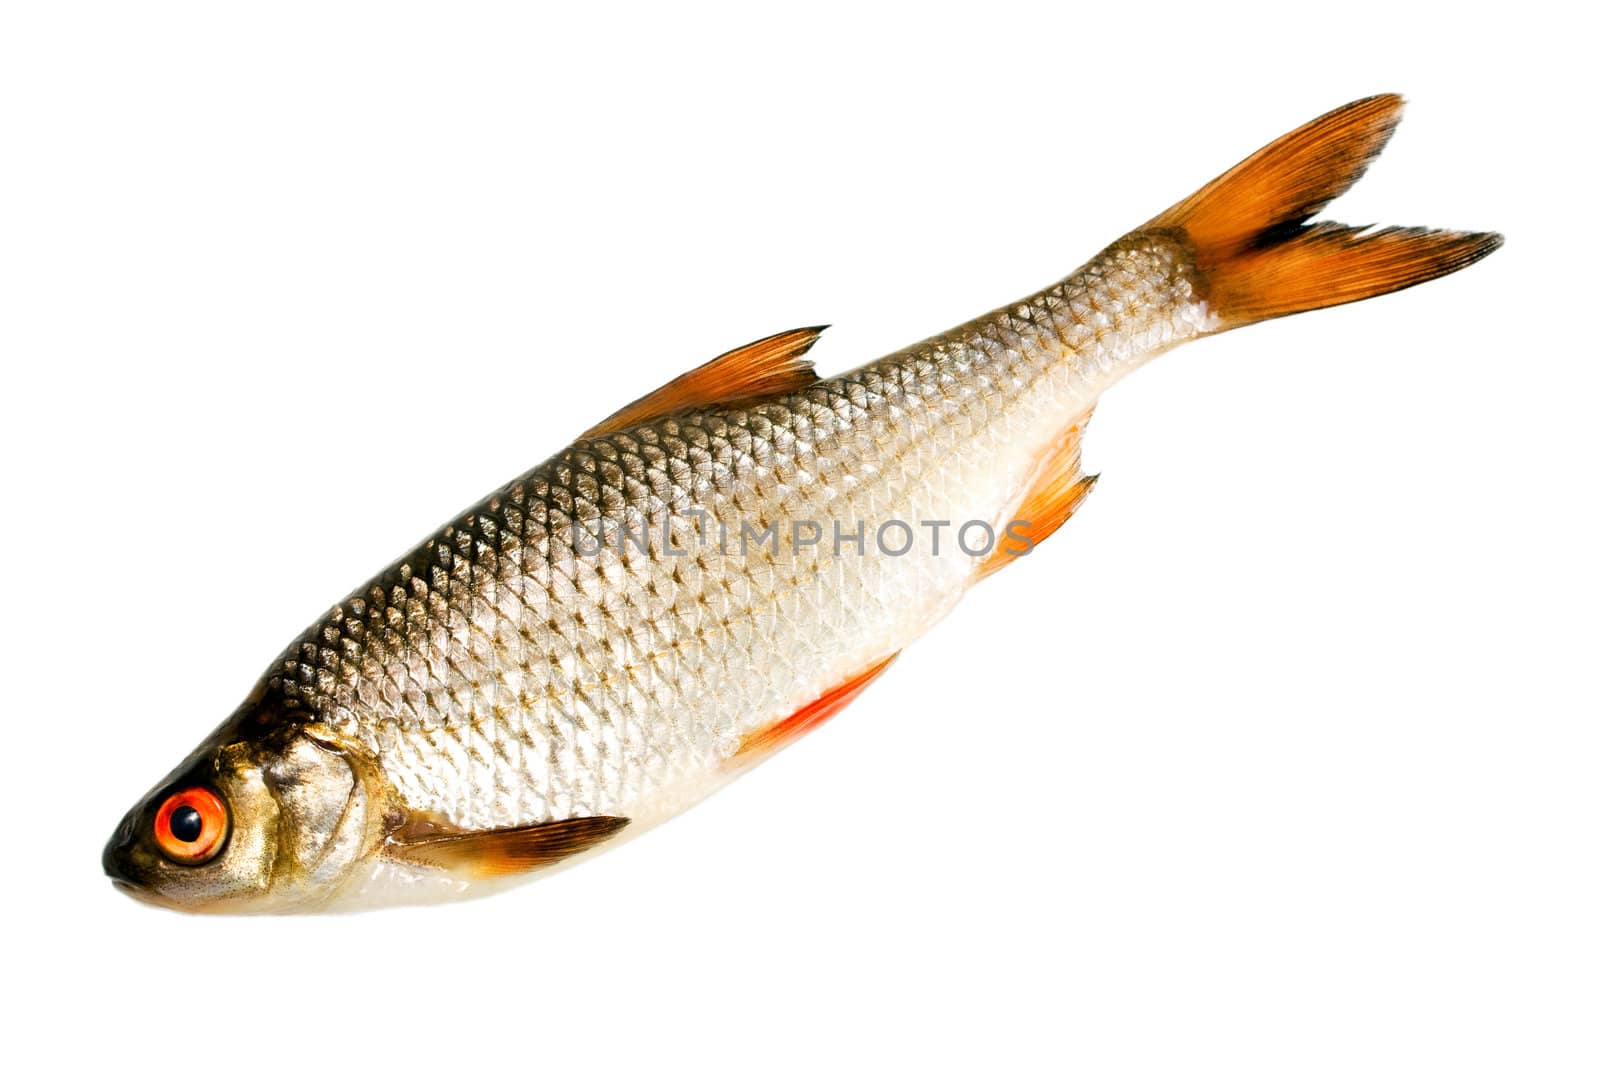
(191, 825)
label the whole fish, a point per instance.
(716, 569)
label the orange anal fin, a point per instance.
(1052, 513)
(513, 850)
(1059, 488)
(768, 367)
(769, 739)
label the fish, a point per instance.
(717, 569)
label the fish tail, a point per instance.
(1259, 257)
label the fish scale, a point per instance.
(503, 629)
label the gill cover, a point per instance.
(272, 824)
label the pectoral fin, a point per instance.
(494, 853)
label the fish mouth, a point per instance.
(144, 895)
(117, 860)
(119, 868)
(124, 882)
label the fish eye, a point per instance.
(191, 825)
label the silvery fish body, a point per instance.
(600, 636)
(604, 641)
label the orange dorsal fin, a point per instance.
(1058, 489)
(769, 739)
(763, 368)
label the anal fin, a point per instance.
(1058, 489)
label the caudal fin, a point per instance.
(1258, 255)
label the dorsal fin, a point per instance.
(763, 368)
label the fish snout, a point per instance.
(117, 858)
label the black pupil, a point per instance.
(185, 824)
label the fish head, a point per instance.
(252, 821)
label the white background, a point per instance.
(1284, 751)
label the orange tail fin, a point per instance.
(1259, 257)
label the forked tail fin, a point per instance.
(1258, 255)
